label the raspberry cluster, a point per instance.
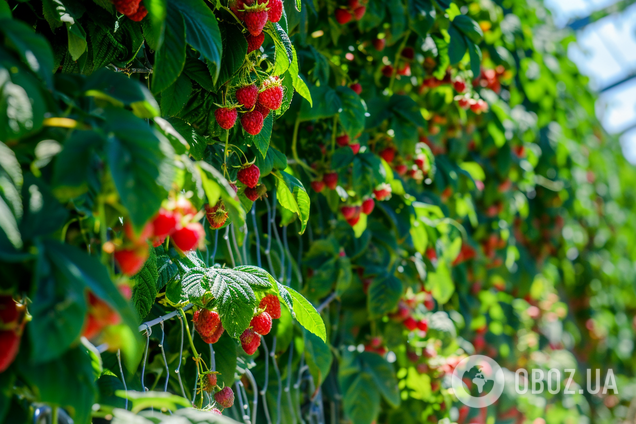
(261, 324)
(353, 9)
(133, 9)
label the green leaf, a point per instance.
(318, 357)
(174, 98)
(234, 299)
(74, 369)
(140, 161)
(32, 48)
(362, 400)
(145, 289)
(76, 40)
(468, 27)
(202, 30)
(293, 196)
(234, 51)
(299, 84)
(10, 200)
(119, 90)
(406, 108)
(384, 295)
(153, 25)
(342, 158)
(262, 139)
(457, 46)
(256, 277)
(422, 14)
(443, 61)
(170, 58)
(72, 168)
(352, 114)
(327, 103)
(22, 106)
(398, 21)
(157, 400)
(383, 376)
(225, 358)
(440, 283)
(307, 316)
(475, 59)
(284, 54)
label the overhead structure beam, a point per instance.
(619, 6)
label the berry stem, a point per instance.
(102, 229)
(226, 153)
(295, 150)
(333, 134)
(54, 414)
(397, 58)
(196, 355)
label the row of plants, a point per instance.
(303, 211)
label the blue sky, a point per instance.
(606, 52)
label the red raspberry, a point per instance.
(9, 346)
(249, 175)
(247, 96)
(226, 117)
(271, 97)
(353, 221)
(388, 154)
(216, 215)
(343, 16)
(318, 186)
(8, 311)
(255, 21)
(367, 206)
(459, 85)
(250, 341)
(331, 180)
(401, 169)
(359, 12)
(252, 122)
(184, 207)
(206, 322)
(252, 194)
(164, 223)
(422, 325)
(187, 238)
(254, 42)
(275, 11)
(353, 4)
(262, 109)
(225, 397)
(348, 212)
(464, 103)
(130, 261)
(379, 44)
(126, 7)
(410, 323)
(387, 71)
(146, 233)
(271, 304)
(408, 53)
(357, 88)
(420, 162)
(355, 147)
(343, 140)
(405, 70)
(238, 7)
(382, 192)
(209, 382)
(214, 337)
(139, 15)
(262, 323)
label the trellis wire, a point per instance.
(163, 354)
(240, 261)
(269, 236)
(245, 242)
(227, 242)
(177, 371)
(216, 244)
(212, 358)
(258, 243)
(239, 396)
(143, 368)
(288, 385)
(121, 370)
(250, 377)
(264, 390)
(196, 377)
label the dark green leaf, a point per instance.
(352, 114)
(170, 57)
(384, 294)
(175, 97)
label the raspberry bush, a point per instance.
(303, 211)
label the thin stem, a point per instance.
(333, 134)
(295, 150)
(54, 414)
(102, 230)
(397, 58)
(187, 329)
(226, 153)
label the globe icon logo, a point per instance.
(478, 381)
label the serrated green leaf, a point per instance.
(384, 295)
(235, 299)
(307, 316)
(171, 56)
(145, 289)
